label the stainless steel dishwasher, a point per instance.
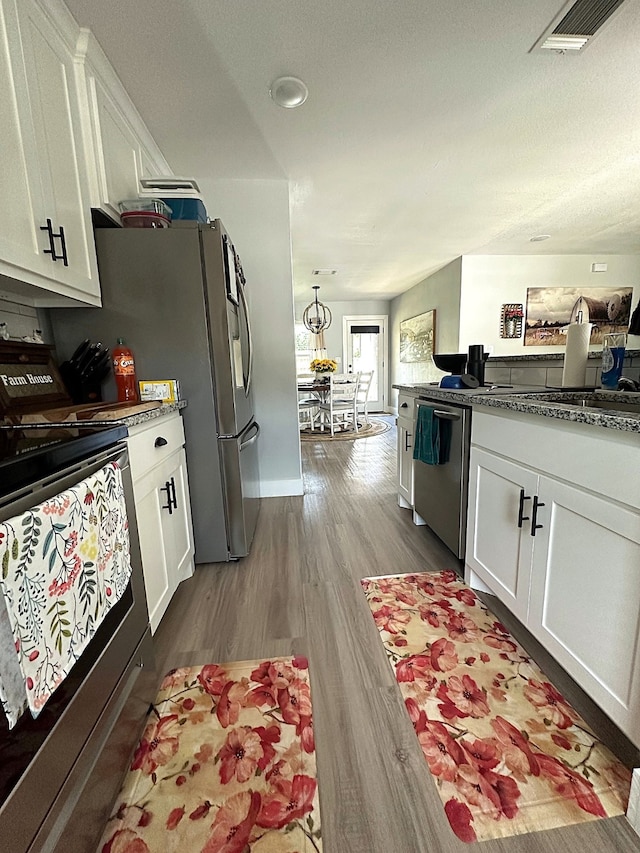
(440, 491)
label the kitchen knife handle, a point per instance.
(521, 516)
(534, 518)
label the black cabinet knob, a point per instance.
(160, 442)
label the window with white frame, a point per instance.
(304, 352)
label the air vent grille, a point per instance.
(586, 17)
(576, 24)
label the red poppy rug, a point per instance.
(508, 754)
(226, 764)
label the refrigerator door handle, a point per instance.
(245, 311)
(246, 442)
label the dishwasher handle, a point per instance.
(447, 416)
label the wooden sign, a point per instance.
(29, 379)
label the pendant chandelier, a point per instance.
(316, 317)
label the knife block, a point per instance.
(80, 390)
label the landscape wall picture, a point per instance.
(417, 337)
(551, 309)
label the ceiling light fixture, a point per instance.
(288, 92)
(324, 272)
(539, 238)
(316, 316)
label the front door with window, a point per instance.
(365, 345)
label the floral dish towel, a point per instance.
(65, 563)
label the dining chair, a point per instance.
(341, 404)
(307, 402)
(363, 393)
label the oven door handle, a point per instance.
(448, 416)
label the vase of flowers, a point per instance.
(322, 367)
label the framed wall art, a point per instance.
(551, 309)
(418, 337)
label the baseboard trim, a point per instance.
(281, 488)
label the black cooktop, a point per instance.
(29, 453)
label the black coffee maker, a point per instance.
(475, 362)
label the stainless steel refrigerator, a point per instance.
(177, 297)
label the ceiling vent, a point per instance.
(576, 25)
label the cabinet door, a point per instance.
(499, 543)
(53, 102)
(585, 595)
(177, 529)
(405, 461)
(21, 241)
(163, 511)
(117, 150)
(158, 581)
(120, 149)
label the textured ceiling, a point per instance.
(430, 130)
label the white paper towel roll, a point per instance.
(574, 371)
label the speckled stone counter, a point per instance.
(563, 405)
(553, 356)
(152, 414)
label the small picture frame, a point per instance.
(511, 317)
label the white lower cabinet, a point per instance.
(584, 605)
(564, 556)
(163, 509)
(406, 423)
(499, 544)
(405, 462)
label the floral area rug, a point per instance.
(508, 754)
(374, 427)
(226, 764)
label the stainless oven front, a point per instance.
(60, 772)
(440, 491)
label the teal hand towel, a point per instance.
(432, 442)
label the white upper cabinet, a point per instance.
(120, 149)
(46, 237)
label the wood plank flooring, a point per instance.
(299, 592)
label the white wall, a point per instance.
(256, 214)
(21, 319)
(339, 310)
(490, 280)
(442, 292)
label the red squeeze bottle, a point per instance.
(124, 369)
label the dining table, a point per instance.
(318, 388)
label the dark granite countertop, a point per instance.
(563, 405)
(553, 356)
